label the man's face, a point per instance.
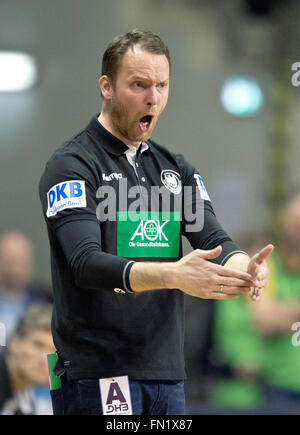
(139, 95)
(29, 354)
(291, 225)
(16, 262)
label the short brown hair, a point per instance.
(147, 40)
(37, 317)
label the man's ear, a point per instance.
(106, 87)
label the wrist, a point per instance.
(239, 261)
(169, 275)
(146, 276)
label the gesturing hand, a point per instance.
(196, 276)
(258, 269)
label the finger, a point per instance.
(257, 294)
(255, 297)
(258, 291)
(233, 289)
(258, 276)
(261, 283)
(263, 254)
(228, 281)
(224, 271)
(264, 283)
(210, 253)
(223, 296)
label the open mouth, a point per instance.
(145, 122)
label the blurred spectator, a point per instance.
(223, 351)
(23, 365)
(254, 340)
(279, 308)
(237, 350)
(16, 272)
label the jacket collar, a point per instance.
(108, 141)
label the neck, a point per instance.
(106, 121)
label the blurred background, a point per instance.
(233, 111)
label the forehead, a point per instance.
(293, 208)
(40, 335)
(138, 62)
(15, 244)
(291, 212)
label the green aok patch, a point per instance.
(148, 234)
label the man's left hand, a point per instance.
(258, 268)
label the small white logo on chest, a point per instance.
(171, 180)
(113, 175)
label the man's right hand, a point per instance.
(196, 276)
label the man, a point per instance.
(277, 316)
(17, 292)
(112, 248)
(260, 341)
(24, 365)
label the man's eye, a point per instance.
(138, 85)
(162, 85)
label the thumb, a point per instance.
(263, 254)
(211, 253)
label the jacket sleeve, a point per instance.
(68, 196)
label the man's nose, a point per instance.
(152, 96)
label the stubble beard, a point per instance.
(122, 126)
